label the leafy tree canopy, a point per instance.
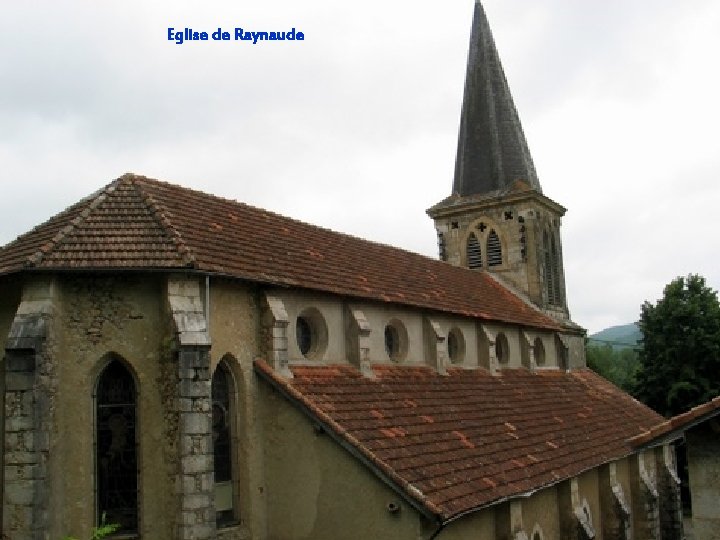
(680, 353)
(618, 365)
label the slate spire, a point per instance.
(492, 151)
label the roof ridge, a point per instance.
(163, 216)
(96, 199)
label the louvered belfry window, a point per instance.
(552, 264)
(494, 249)
(474, 255)
(116, 450)
(555, 257)
(548, 269)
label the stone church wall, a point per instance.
(234, 331)
(121, 316)
(10, 291)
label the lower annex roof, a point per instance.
(470, 439)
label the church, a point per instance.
(194, 368)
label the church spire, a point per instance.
(492, 151)
(497, 219)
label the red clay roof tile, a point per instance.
(491, 437)
(139, 223)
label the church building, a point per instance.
(194, 368)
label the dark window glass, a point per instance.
(392, 341)
(502, 349)
(116, 458)
(539, 349)
(456, 345)
(222, 417)
(303, 332)
(221, 424)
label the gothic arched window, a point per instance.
(116, 447)
(494, 249)
(223, 415)
(474, 255)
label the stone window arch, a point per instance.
(494, 249)
(473, 252)
(224, 420)
(537, 533)
(116, 452)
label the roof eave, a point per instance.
(646, 440)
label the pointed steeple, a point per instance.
(492, 151)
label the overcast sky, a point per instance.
(355, 128)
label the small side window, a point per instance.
(456, 346)
(502, 349)
(396, 340)
(311, 334)
(539, 350)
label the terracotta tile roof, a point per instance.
(469, 439)
(676, 425)
(139, 223)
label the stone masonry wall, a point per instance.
(196, 520)
(195, 486)
(670, 505)
(30, 389)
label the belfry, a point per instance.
(497, 218)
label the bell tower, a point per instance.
(497, 219)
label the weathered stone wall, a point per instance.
(30, 389)
(123, 316)
(703, 443)
(542, 510)
(616, 514)
(235, 330)
(10, 291)
(669, 503)
(579, 507)
(644, 495)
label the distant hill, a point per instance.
(619, 337)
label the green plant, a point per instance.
(103, 530)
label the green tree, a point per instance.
(680, 352)
(619, 366)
